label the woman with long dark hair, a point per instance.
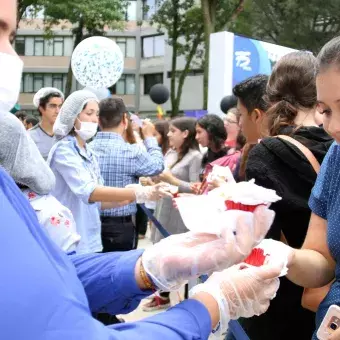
(161, 133)
(183, 165)
(211, 134)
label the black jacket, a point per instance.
(277, 164)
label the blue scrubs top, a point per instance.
(46, 295)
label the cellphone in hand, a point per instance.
(330, 323)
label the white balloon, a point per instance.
(97, 62)
(101, 94)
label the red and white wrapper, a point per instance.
(246, 194)
(267, 252)
(202, 214)
(221, 207)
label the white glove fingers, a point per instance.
(244, 236)
(212, 256)
(266, 272)
(273, 287)
(261, 307)
(197, 239)
(263, 219)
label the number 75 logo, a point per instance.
(243, 60)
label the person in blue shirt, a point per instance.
(79, 185)
(121, 164)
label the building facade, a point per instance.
(147, 61)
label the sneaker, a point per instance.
(157, 303)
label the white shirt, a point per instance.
(56, 220)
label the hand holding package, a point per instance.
(241, 291)
(178, 258)
(273, 253)
(150, 193)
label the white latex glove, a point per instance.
(173, 261)
(279, 252)
(150, 193)
(241, 292)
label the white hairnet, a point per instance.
(20, 157)
(71, 108)
(45, 91)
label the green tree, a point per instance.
(305, 25)
(23, 5)
(189, 25)
(87, 17)
(217, 15)
(182, 21)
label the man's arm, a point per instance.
(113, 284)
(150, 162)
(45, 279)
(110, 282)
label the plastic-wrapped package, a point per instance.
(173, 261)
(270, 252)
(209, 213)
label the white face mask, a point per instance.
(87, 130)
(10, 79)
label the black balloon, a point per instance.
(228, 102)
(159, 94)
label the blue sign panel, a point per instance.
(250, 58)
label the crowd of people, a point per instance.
(74, 185)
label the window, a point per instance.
(20, 45)
(58, 81)
(29, 46)
(68, 46)
(58, 47)
(159, 46)
(125, 85)
(153, 46)
(49, 47)
(151, 80)
(131, 10)
(39, 46)
(127, 46)
(33, 82)
(121, 42)
(150, 7)
(38, 82)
